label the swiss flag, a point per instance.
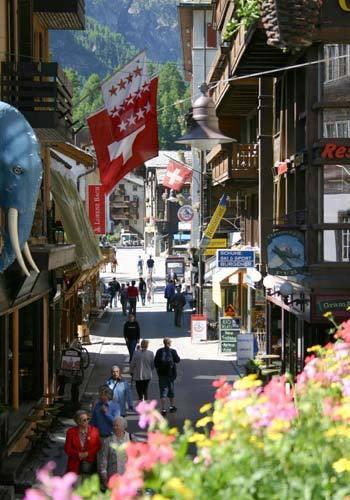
(176, 175)
(125, 132)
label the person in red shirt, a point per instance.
(133, 295)
(82, 443)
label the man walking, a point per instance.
(169, 293)
(140, 265)
(114, 288)
(105, 411)
(142, 291)
(131, 335)
(121, 390)
(150, 266)
(132, 294)
(165, 364)
(178, 303)
(123, 297)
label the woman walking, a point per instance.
(141, 368)
(82, 444)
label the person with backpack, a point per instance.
(165, 363)
(178, 302)
(150, 266)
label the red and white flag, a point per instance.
(125, 132)
(176, 175)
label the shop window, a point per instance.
(336, 129)
(336, 192)
(337, 63)
(345, 241)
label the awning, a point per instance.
(218, 277)
(75, 221)
(84, 277)
(77, 154)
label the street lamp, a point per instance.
(203, 134)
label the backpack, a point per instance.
(166, 365)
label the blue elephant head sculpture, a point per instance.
(20, 179)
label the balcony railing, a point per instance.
(61, 14)
(234, 161)
(43, 93)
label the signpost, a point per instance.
(198, 328)
(229, 329)
(245, 348)
(235, 258)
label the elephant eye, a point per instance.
(17, 170)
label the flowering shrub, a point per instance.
(253, 442)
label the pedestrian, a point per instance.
(123, 297)
(141, 368)
(150, 266)
(131, 334)
(140, 265)
(150, 289)
(142, 291)
(183, 286)
(169, 293)
(82, 445)
(121, 390)
(165, 362)
(178, 303)
(105, 411)
(113, 454)
(113, 289)
(133, 295)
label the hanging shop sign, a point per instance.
(214, 222)
(332, 304)
(245, 348)
(286, 253)
(198, 328)
(185, 213)
(97, 213)
(235, 258)
(229, 329)
(214, 244)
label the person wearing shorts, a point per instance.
(165, 363)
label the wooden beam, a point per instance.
(15, 359)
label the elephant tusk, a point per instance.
(29, 258)
(13, 233)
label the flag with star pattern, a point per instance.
(176, 175)
(125, 132)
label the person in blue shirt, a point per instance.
(169, 293)
(121, 390)
(105, 411)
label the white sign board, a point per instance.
(245, 348)
(198, 328)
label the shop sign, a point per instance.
(332, 151)
(229, 329)
(214, 221)
(230, 311)
(185, 213)
(235, 258)
(245, 348)
(198, 328)
(330, 305)
(97, 211)
(214, 244)
(285, 253)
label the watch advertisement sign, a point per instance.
(286, 253)
(229, 328)
(185, 213)
(198, 328)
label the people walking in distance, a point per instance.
(106, 409)
(140, 265)
(178, 303)
(121, 390)
(141, 368)
(165, 362)
(114, 263)
(113, 290)
(150, 266)
(169, 293)
(133, 295)
(82, 445)
(150, 289)
(183, 286)
(131, 334)
(142, 291)
(123, 297)
(113, 455)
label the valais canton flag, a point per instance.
(176, 175)
(125, 132)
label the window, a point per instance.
(211, 37)
(337, 63)
(134, 187)
(336, 129)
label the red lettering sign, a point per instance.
(97, 211)
(333, 152)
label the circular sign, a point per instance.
(185, 213)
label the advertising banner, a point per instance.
(198, 328)
(229, 330)
(97, 213)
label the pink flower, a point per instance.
(53, 487)
(126, 486)
(149, 416)
(223, 388)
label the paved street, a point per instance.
(200, 363)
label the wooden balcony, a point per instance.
(43, 93)
(234, 161)
(60, 14)
(223, 8)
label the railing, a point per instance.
(43, 93)
(235, 161)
